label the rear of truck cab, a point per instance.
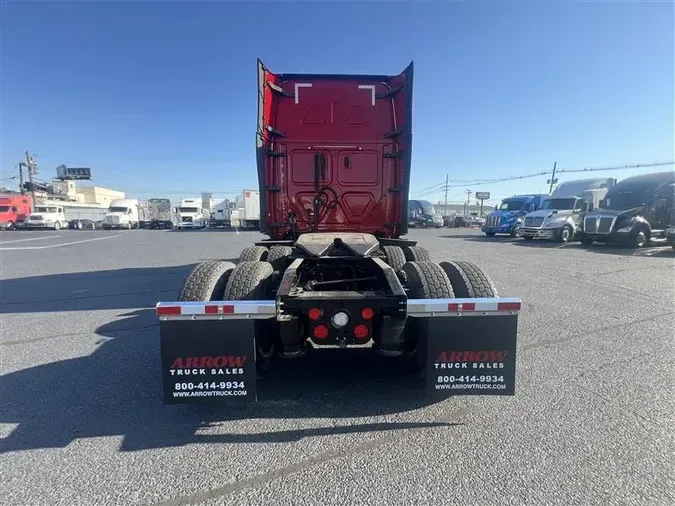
(334, 158)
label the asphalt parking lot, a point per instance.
(82, 421)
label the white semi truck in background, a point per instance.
(191, 214)
(562, 214)
(122, 213)
(246, 213)
(220, 214)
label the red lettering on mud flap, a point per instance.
(472, 356)
(224, 361)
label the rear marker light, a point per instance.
(361, 331)
(210, 309)
(367, 313)
(320, 332)
(168, 310)
(314, 313)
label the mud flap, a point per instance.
(208, 361)
(470, 355)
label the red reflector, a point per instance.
(320, 332)
(168, 310)
(467, 306)
(228, 309)
(314, 313)
(367, 313)
(361, 331)
(508, 306)
(211, 309)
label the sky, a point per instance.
(160, 98)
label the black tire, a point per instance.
(427, 280)
(248, 281)
(516, 231)
(490, 234)
(416, 254)
(424, 224)
(395, 257)
(566, 234)
(253, 254)
(468, 280)
(57, 225)
(10, 225)
(278, 255)
(207, 281)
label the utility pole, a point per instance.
(29, 164)
(445, 207)
(553, 179)
(468, 196)
(21, 190)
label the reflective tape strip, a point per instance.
(455, 307)
(219, 310)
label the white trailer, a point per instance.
(248, 205)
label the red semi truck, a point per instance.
(333, 161)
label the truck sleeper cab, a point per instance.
(508, 216)
(190, 214)
(14, 209)
(123, 214)
(561, 215)
(635, 211)
(333, 166)
(421, 213)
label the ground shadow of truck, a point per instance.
(117, 391)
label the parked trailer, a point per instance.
(159, 213)
(334, 157)
(248, 207)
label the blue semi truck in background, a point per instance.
(508, 216)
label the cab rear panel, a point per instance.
(334, 152)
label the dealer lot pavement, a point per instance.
(82, 420)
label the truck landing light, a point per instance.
(340, 319)
(361, 331)
(367, 313)
(320, 332)
(314, 313)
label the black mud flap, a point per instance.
(208, 361)
(470, 355)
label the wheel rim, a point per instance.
(565, 235)
(640, 239)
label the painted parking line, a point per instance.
(61, 244)
(31, 239)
